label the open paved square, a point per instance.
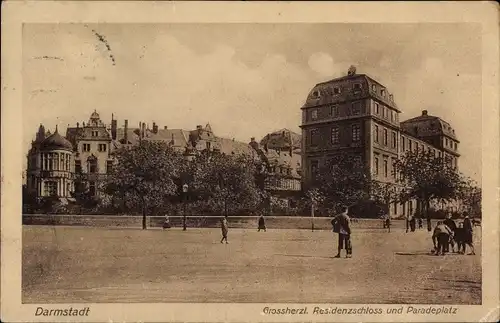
(81, 264)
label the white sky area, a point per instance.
(246, 79)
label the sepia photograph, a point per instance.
(241, 162)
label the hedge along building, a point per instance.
(356, 115)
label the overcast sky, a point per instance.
(246, 79)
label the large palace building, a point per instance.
(357, 115)
(57, 164)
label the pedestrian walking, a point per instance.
(441, 238)
(225, 229)
(262, 223)
(459, 238)
(387, 221)
(420, 223)
(412, 224)
(453, 226)
(166, 223)
(468, 234)
(341, 225)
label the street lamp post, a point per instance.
(185, 189)
(312, 213)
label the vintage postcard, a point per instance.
(249, 162)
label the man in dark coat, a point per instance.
(468, 230)
(262, 223)
(453, 227)
(341, 225)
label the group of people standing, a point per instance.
(447, 233)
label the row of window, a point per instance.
(356, 87)
(448, 143)
(50, 188)
(92, 166)
(315, 164)
(385, 112)
(315, 137)
(385, 133)
(334, 112)
(385, 169)
(356, 109)
(101, 147)
(56, 161)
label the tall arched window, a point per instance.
(92, 164)
(56, 161)
(51, 165)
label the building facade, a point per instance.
(57, 165)
(357, 115)
(50, 167)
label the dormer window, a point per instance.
(95, 133)
(316, 94)
(336, 90)
(357, 87)
(374, 88)
(382, 92)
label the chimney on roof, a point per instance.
(78, 125)
(351, 71)
(143, 133)
(199, 127)
(424, 112)
(125, 133)
(165, 127)
(155, 127)
(113, 127)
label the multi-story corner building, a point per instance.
(357, 115)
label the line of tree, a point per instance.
(150, 178)
(420, 176)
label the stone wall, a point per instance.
(248, 222)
